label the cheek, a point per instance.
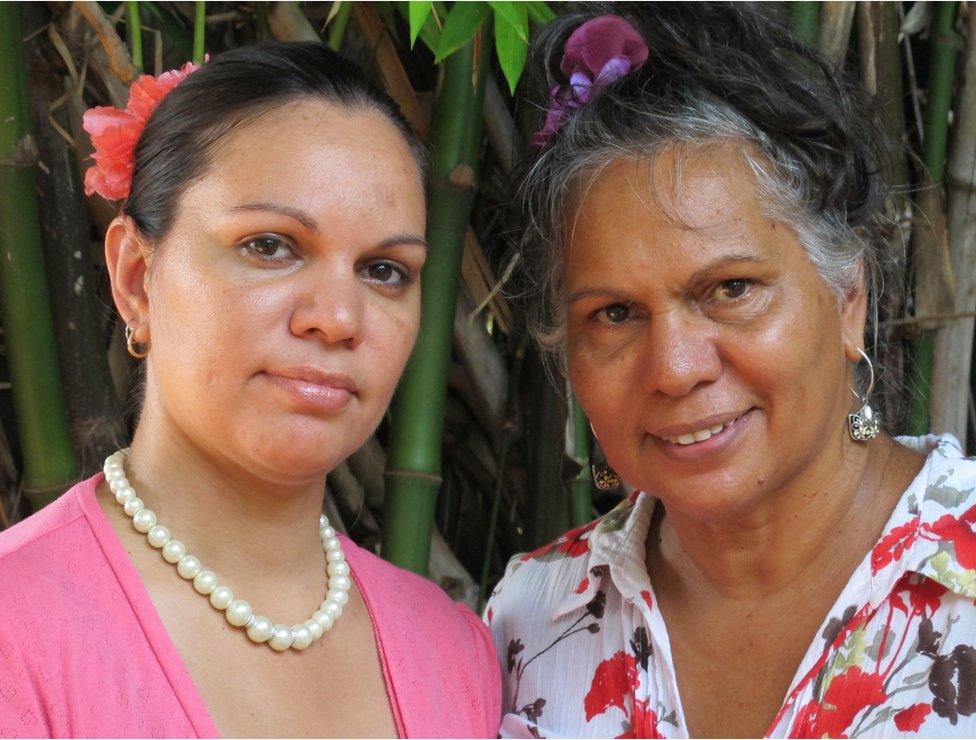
(391, 328)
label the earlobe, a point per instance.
(126, 257)
(853, 321)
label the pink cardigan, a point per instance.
(83, 652)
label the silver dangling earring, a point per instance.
(865, 424)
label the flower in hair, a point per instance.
(115, 133)
(596, 54)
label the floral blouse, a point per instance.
(585, 653)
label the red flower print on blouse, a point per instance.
(893, 545)
(643, 723)
(614, 679)
(909, 720)
(572, 544)
(924, 594)
(844, 699)
(958, 531)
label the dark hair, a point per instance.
(717, 72)
(176, 148)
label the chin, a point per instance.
(712, 496)
(292, 455)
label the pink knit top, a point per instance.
(83, 652)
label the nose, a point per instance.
(678, 355)
(330, 307)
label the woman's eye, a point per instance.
(387, 274)
(730, 290)
(269, 248)
(615, 313)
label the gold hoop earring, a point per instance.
(865, 424)
(137, 349)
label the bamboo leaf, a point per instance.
(538, 11)
(418, 16)
(511, 43)
(515, 14)
(461, 24)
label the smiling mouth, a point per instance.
(700, 435)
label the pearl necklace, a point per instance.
(237, 611)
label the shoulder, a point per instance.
(537, 583)
(45, 539)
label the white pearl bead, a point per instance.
(188, 567)
(333, 609)
(133, 506)
(124, 493)
(260, 630)
(315, 628)
(340, 583)
(335, 556)
(173, 551)
(330, 543)
(339, 597)
(302, 637)
(238, 612)
(327, 533)
(205, 582)
(324, 620)
(144, 520)
(323, 520)
(221, 597)
(117, 483)
(338, 569)
(282, 638)
(114, 474)
(158, 535)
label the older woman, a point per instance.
(706, 216)
(266, 261)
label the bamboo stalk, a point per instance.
(49, 465)
(339, 24)
(288, 23)
(578, 450)
(953, 344)
(133, 26)
(836, 19)
(941, 75)
(414, 464)
(199, 31)
(805, 21)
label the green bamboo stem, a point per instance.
(945, 46)
(339, 24)
(414, 464)
(133, 25)
(581, 486)
(49, 465)
(805, 22)
(199, 31)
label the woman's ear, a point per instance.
(853, 318)
(127, 257)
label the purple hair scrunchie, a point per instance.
(599, 52)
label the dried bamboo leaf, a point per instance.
(836, 19)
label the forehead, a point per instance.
(684, 203)
(311, 153)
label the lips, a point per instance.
(703, 439)
(313, 388)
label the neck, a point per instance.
(818, 525)
(239, 524)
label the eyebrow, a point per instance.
(722, 262)
(309, 223)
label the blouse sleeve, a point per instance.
(21, 710)
(488, 670)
